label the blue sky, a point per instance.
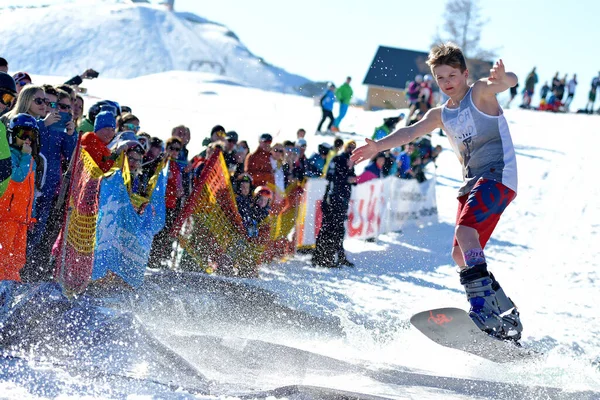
(328, 40)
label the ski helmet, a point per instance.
(7, 83)
(23, 120)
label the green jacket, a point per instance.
(5, 160)
(85, 126)
(344, 93)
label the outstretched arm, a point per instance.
(499, 80)
(431, 121)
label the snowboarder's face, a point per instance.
(450, 80)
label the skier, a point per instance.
(343, 94)
(478, 133)
(327, 102)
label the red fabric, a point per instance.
(258, 165)
(97, 150)
(174, 185)
(481, 208)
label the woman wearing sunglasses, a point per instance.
(57, 144)
(128, 122)
(16, 206)
(31, 100)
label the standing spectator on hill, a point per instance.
(344, 95)
(327, 101)
(513, 94)
(338, 144)
(16, 206)
(555, 82)
(22, 79)
(530, 82)
(571, 91)
(258, 164)
(8, 93)
(162, 245)
(3, 65)
(544, 92)
(560, 89)
(330, 240)
(413, 91)
(300, 134)
(589, 107)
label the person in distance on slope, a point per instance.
(479, 135)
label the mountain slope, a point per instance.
(130, 40)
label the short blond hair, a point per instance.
(447, 54)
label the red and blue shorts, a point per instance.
(482, 207)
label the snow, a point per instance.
(342, 329)
(543, 253)
(126, 40)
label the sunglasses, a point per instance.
(64, 107)
(132, 127)
(52, 104)
(25, 133)
(175, 148)
(22, 83)
(40, 100)
(6, 98)
(278, 150)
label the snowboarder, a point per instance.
(478, 133)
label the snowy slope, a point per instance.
(348, 329)
(126, 40)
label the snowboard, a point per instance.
(453, 328)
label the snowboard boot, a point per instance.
(508, 312)
(484, 305)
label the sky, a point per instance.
(327, 41)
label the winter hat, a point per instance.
(104, 119)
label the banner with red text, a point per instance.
(377, 206)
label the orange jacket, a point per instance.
(17, 202)
(258, 165)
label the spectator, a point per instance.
(8, 92)
(263, 198)
(78, 105)
(216, 133)
(389, 124)
(338, 144)
(277, 161)
(135, 157)
(316, 163)
(258, 164)
(404, 162)
(300, 134)
(16, 206)
(544, 91)
(153, 159)
(530, 82)
(241, 152)
(22, 79)
(373, 170)
(344, 95)
(162, 245)
(96, 143)
(243, 199)
(229, 152)
(513, 93)
(183, 133)
(128, 122)
(144, 139)
(330, 240)
(327, 101)
(3, 65)
(571, 91)
(302, 163)
(413, 90)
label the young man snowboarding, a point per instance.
(479, 135)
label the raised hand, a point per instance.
(498, 73)
(364, 152)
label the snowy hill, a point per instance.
(127, 40)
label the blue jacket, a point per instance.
(328, 100)
(55, 144)
(314, 166)
(20, 164)
(404, 157)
